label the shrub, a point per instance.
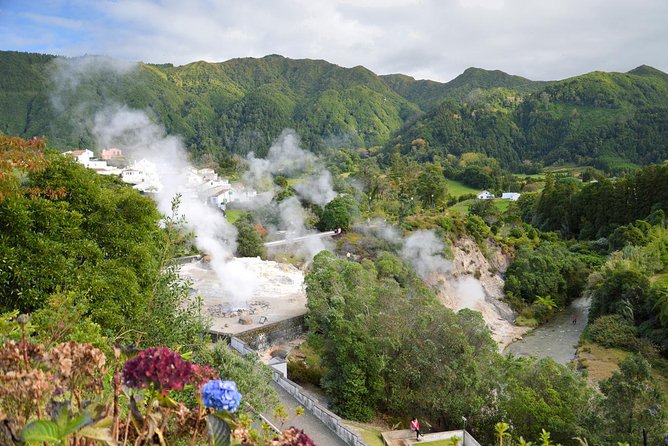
(614, 331)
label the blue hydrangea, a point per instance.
(221, 395)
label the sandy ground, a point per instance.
(279, 294)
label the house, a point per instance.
(242, 194)
(80, 156)
(111, 153)
(132, 176)
(220, 197)
(512, 196)
(485, 195)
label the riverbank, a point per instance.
(557, 339)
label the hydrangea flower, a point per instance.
(159, 368)
(221, 395)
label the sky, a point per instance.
(426, 39)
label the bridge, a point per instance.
(303, 238)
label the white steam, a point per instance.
(141, 139)
(469, 293)
(318, 188)
(425, 252)
(287, 158)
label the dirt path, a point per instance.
(558, 338)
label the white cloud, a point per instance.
(435, 39)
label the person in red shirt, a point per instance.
(415, 426)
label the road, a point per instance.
(556, 339)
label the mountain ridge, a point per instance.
(241, 105)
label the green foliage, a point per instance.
(621, 290)
(613, 331)
(542, 393)
(251, 376)
(632, 403)
(64, 425)
(249, 242)
(596, 209)
(219, 431)
(609, 120)
(548, 270)
(341, 212)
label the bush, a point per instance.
(614, 331)
(302, 373)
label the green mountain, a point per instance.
(611, 120)
(237, 106)
(467, 86)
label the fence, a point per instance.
(332, 421)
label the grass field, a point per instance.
(457, 189)
(440, 442)
(601, 362)
(232, 215)
(463, 206)
(370, 434)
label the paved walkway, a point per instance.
(319, 433)
(558, 338)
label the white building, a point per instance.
(80, 156)
(512, 196)
(485, 195)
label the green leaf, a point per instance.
(219, 431)
(41, 430)
(167, 402)
(77, 423)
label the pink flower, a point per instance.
(158, 368)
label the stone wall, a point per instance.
(260, 338)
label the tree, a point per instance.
(621, 289)
(543, 394)
(632, 403)
(486, 210)
(339, 213)
(431, 187)
(249, 242)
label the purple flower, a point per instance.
(221, 395)
(157, 367)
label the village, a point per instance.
(205, 183)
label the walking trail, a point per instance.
(313, 427)
(558, 338)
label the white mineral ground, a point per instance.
(475, 282)
(279, 293)
(460, 289)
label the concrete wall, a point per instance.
(469, 440)
(265, 336)
(329, 419)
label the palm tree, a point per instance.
(501, 429)
(545, 438)
(523, 442)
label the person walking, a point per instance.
(574, 319)
(415, 426)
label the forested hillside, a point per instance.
(608, 120)
(613, 121)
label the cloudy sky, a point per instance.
(432, 39)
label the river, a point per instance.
(558, 338)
